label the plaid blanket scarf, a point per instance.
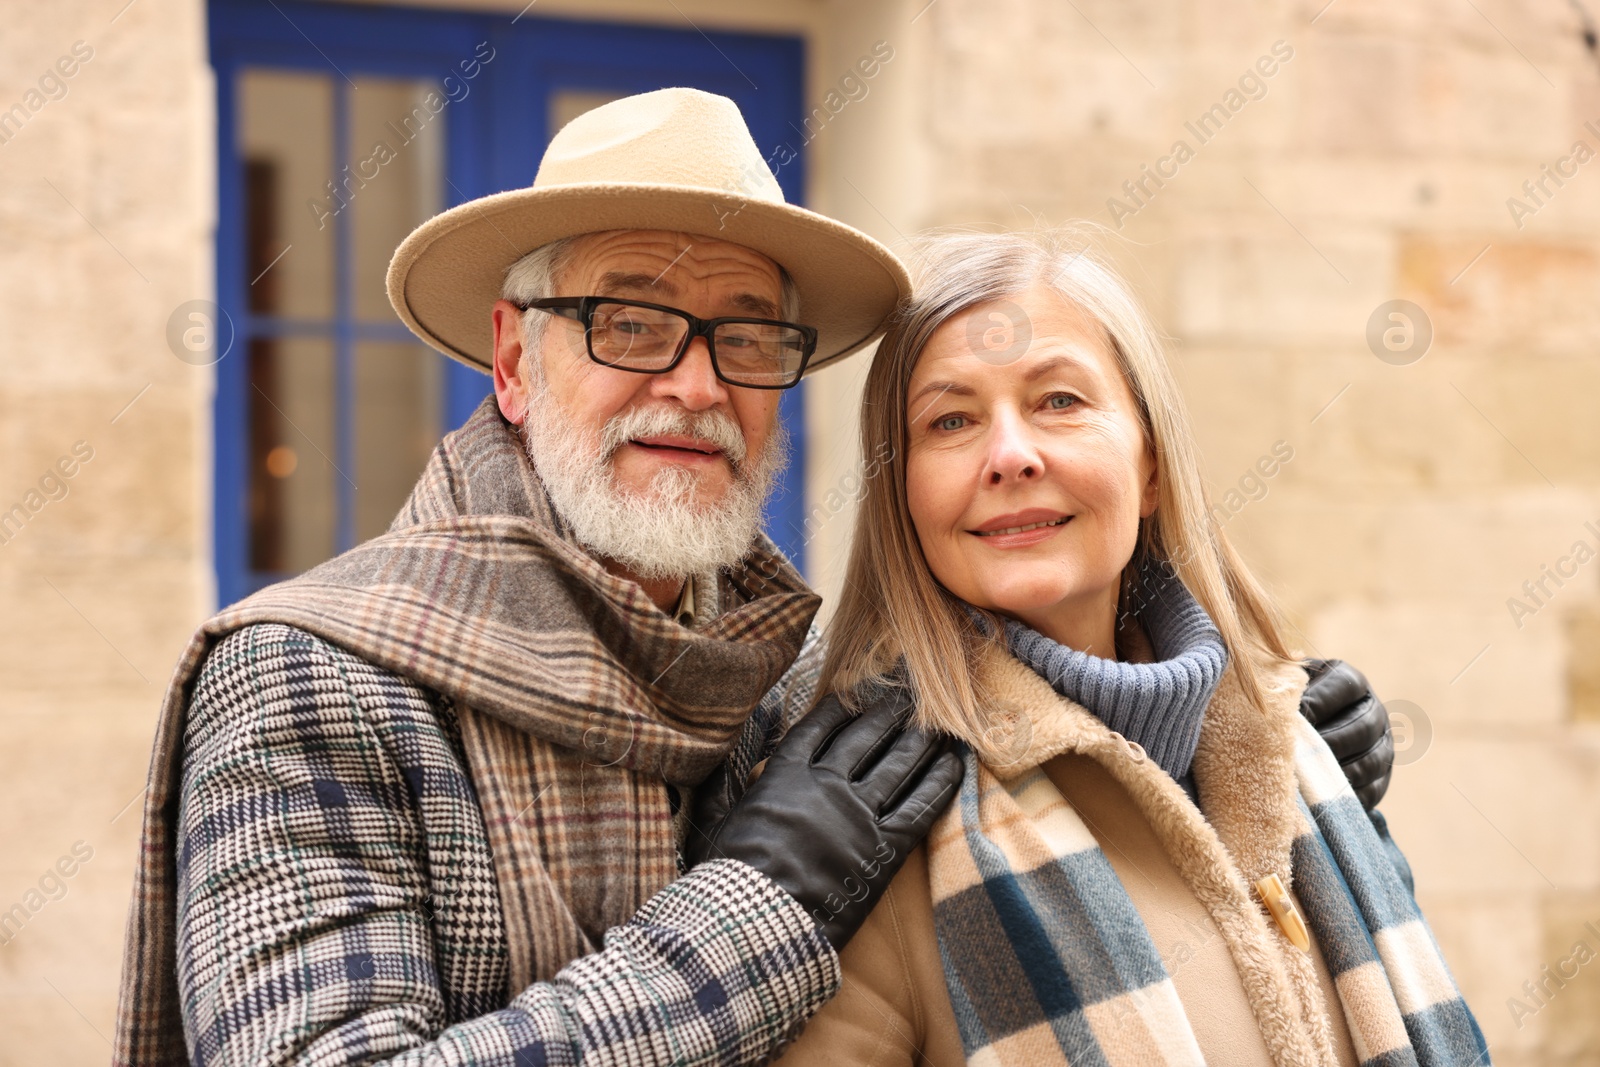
(577, 699)
(1048, 961)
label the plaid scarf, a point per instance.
(577, 698)
(1047, 960)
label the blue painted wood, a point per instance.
(344, 423)
(496, 130)
(230, 432)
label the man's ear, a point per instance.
(510, 390)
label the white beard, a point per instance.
(670, 531)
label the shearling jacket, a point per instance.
(1250, 997)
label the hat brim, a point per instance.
(445, 277)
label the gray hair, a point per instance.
(534, 277)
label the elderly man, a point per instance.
(427, 803)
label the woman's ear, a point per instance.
(1151, 492)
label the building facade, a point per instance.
(1371, 232)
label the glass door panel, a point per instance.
(395, 171)
(343, 406)
(293, 478)
(399, 390)
(286, 144)
(568, 104)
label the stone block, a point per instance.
(48, 150)
(1565, 998)
(1092, 82)
(1390, 546)
(44, 1025)
(1534, 403)
(75, 761)
(1521, 297)
(131, 186)
(1491, 945)
(40, 315)
(1362, 425)
(834, 466)
(1583, 661)
(132, 490)
(1235, 398)
(1499, 812)
(1465, 420)
(155, 61)
(97, 622)
(1351, 95)
(1254, 279)
(1460, 668)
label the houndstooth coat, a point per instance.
(417, 805)
(374, 878)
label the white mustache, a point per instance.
(715, 427)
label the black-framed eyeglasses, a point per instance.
(646, 338)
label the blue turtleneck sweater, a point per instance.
(1159, 705)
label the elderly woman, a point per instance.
(1153, 858)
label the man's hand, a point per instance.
(842, 802)
(1340, 703)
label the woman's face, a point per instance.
(1027, 470)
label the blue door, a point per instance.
(339, 129)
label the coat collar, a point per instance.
(1244, 766)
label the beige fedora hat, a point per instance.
(673, 159)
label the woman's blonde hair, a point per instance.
(893, 607)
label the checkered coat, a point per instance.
(415, 806)
(338, 904)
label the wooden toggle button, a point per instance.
(1283, 909)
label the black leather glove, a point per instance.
(1340, 703)
(842, 802)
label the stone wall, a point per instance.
(106, 195)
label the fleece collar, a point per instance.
(1244, 764)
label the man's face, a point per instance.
(665, 473)
(700, 275)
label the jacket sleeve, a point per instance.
(893, 1009)
(312, 842)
